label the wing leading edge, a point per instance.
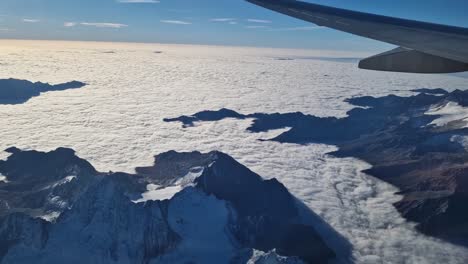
(424, 47)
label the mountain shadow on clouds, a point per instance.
(14, 91)
(428, 162)
(437, 91)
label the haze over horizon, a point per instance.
(224, 22)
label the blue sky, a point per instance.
(218, 22)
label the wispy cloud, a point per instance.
(6, 29)
(138, 1)
(253, 20)
(103, 25)
(307, 28)
(69, 24)
(222, 19)
(226, 20)
(176, 22)
(95, 24)
(27, 20)
(255, 27)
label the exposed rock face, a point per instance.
(20, 229)
(417, 143)
(43, 184)
(171, 166)
(13, 91)
(222, 213)
(103, 226)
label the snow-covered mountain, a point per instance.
(187, 208)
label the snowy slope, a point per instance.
(197, 224)
(450, 113)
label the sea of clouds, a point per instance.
(115, 122)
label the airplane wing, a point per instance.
(423, 47)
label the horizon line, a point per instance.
(191, 44)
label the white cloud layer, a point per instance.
(116, 123)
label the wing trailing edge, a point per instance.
(426, 47)
(411, 61)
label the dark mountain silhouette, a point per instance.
(267, 216)
(395, 136)
(438, 91)
(13, 91)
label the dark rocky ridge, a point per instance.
(36, 181)
(393, 134)
(13, 91)
(97, 211)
